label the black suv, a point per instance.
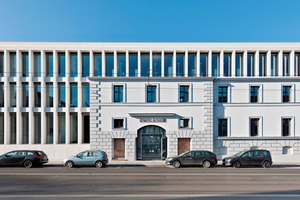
(258, 157)
(204, 158)
(27, 158)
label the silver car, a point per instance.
(91, 157)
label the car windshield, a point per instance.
(183, 153)
(240, 153)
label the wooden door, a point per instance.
(183, 145)
(119, 148)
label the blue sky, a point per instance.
(150, 21)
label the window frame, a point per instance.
(259, 126)
(119, 118)
(227, 127)
(184, 92)
(222, 95)
(156, 93)
(119, 92)
(258, 93)
(284, 97)
(189, 122)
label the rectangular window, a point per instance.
(1, 64)
(37, 64)
(274, 64)
(86, 128)
(118, 123)
(156, 64)
(1, 128)
(215, 64)
(61, 95)
(222, 127)
(227, 64)
(192, 69)
(262, 64)
(250, 64)
(74, 95)
(25, 66)
(61, 65)
(49, 95)
(61, 128)
(285, 64)
(37, 128)
(37, 95)
(74, 64)
(179, 64)
(73, 128)
(297, 64)
(133, 65)
(49, 128)
(286, 127)
(151, 93)
(184, 123)
(239, 64)
(109, 64)
(254, 126)
(222, 94)
(49, 64)
(118, 93)
(98, 64)
(121, 61)
(203, 64)
(25, 95)
(145, 64)
(286, 91)
(86, 95)
(13, 63)
(184, 93)
(85, 63)
(13, 128)
(25, 128)
(13, 95)
(1, 94)
(254, 94)
(168, 62)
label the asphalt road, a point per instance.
(140, 182)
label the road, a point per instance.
(140, 182)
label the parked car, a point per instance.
(26, 158)
(204, 158)
(91, 157)
(258, 157)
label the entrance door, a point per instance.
(183, 145)
(151, 147)
(119, 148)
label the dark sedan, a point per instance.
(200, 158)
(26, 158)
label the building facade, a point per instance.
(140, 101)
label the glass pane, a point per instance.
(151, 147)
(49, 95)
(297, 64)
(85, 64)
(98, 64)
(168, 64)
(262, 65)
(37, 128)
(49, 64)
(109, 64)
(25, 69)
(13, 95)
(61, 95)
(203, 65)
(1, 64)
(73, 128)
(37, 64)
(13, 68)
(1, 128)
(192, 65)
(37, 95)
(73, 64)
(133, 64)
(86, 96)
(239, 65)
(215, 65)
(1, 95)
(250, 65)
(25, 128)
(86, 128)
(285, 65)
(25, 95)
(61, 65)
(274, 65)
(13, 128)
(49, 128)
(179, 64)
(145, 64)
(74, 95)
(61, 128)
(121, 64)
(227, 64)
(156, 65)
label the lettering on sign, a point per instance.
(153, 120)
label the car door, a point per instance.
(8, 158)
(20, 157)
(198, 157)
(81, 158)
(257, 157)
(247, 158)
(187, 159)
(92, 157)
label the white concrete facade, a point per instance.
(281, 68)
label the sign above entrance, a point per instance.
(152, 114)
(153, 120)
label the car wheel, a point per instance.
(236, 164)
(206, 164)
(27, 164)
(176, 164)
(69, 164)
(99, 164)
(266, 164)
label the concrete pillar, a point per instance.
(186, 64)
(233, 64)
(162, 63)
(292, 63)
(139, 63)
(43, 98)
(198, 64)
(92, 64)
(280, 54)
(209, 68)
(150, 64)
(68, 101)
(103, 64)
(222, 64)
(256, 66)
(268, 63)
(245, 57)
(174, 63)
(127, 64)
(115, 72)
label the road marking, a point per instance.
(137, 174)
